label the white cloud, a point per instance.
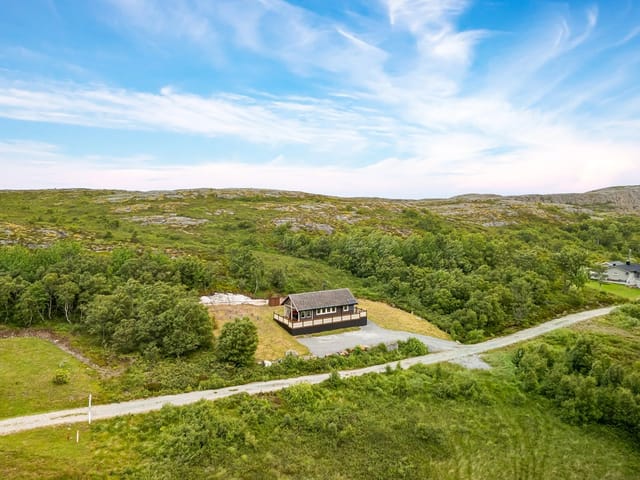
(307, 121)
(578, 165)
(449, 131)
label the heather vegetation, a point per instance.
(475, 272)
(425, 422)
(591, 377)
(118, 276)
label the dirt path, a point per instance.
(99, 412)
(60, 342)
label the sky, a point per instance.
(385, 98)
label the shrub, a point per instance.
(238, 342)
(62, 376)
(412, 347)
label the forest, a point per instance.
(472, 285)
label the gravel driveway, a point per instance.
(369, 335)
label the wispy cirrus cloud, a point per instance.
(405, 88)
(258, 119)
(432, 24)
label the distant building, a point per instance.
(626, 273)
(314, 312)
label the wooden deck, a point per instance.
(301, 327)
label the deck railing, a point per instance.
(338, 318)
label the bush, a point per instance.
(62, 376)
(238, 342)
(412, 347)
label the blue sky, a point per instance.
(393, 98)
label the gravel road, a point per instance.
(457, 354)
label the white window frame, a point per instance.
(345, 308)
(325, 310)
(305, 314)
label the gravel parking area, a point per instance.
(369, 335)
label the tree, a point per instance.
(66, 293)
(50, 282)
(248, 268)
(194, 273)
(599, 272)
(278, 279)
(10, 289)
(572, 262)
(158, 318)
(581, 356)
(32, 304)
(238, 342)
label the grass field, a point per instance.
(273, 342)
(428, 422)
(392, 318)
(615, 289)
(27, 368)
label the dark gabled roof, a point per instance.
(626, 267)
(324, 298)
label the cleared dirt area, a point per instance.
(274, 341)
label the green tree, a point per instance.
(572, 262)
(159, 318)
(238, 342)
(10, 289)
(248, 268)
(194, 273)
(66, 292)
(32, 304)
(581, 356)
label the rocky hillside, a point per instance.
(625, 199)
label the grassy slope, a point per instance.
(428, 422)
(506, 436)
(27, 368)
(231, 217)
(274, 341)
(411, 432)
(614, 289)
(27, 365)
(392, 318)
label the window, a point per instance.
(345, 308)
(325, 310)
(305, 314)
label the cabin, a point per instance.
(627, 273)
(314, 312)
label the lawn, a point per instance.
(274, 341)
(27, 368)
(615, 289)
(48, 453)
(393, 318)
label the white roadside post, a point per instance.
(89, 409)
